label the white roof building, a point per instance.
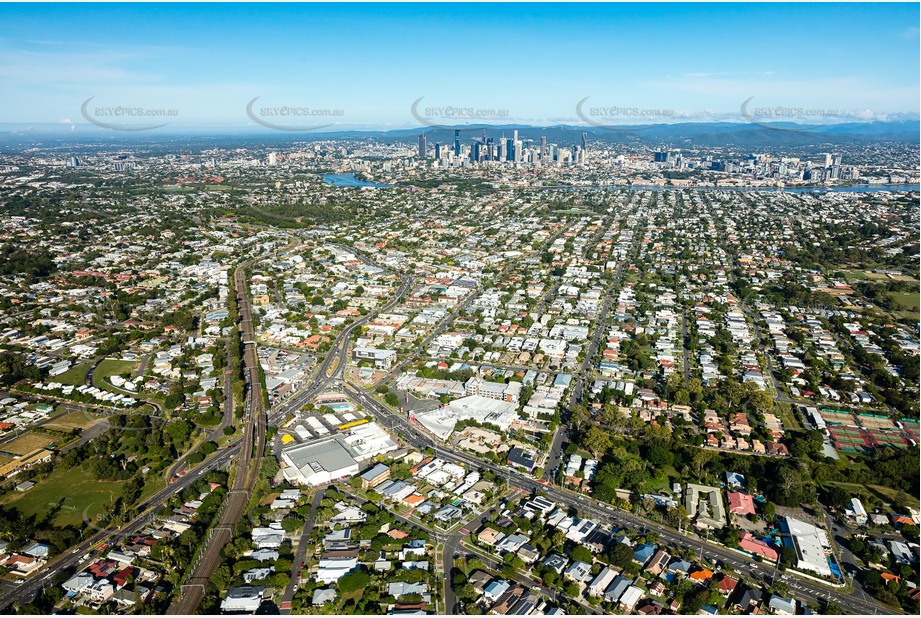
(601, 581)
(631, 597)
(856, 511)
(243, 599)
(335, 457)
(810, 543)
(441, 421)
(331, 570)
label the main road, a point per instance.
(327, 374)
(251, 446)
(24, 592)
(242, 449)
(803, 588)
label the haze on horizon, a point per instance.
(532, 64)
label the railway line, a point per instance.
(247, 466)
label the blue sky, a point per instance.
(536, 62)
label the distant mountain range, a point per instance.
(687, 134)
(677, 134)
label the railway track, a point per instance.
(248, 464)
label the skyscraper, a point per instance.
(437, 151)
(422, 145)
(543, 148)
(457, 142)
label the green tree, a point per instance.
(621, 555)
(788, 557)
(353, 582)
(597, 441)
(582, 553)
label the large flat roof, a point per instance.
(325, 454)
(340, 451)
(441, 422)
(809, 543)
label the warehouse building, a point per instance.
(335, 457)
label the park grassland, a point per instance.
(73, 376)
(108, 368)
(787, 417)
(886, 494)
(29, 442)
(909, 302)
(70, 492)
(79, 419)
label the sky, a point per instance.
(366, 65)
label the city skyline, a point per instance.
(460, 309)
